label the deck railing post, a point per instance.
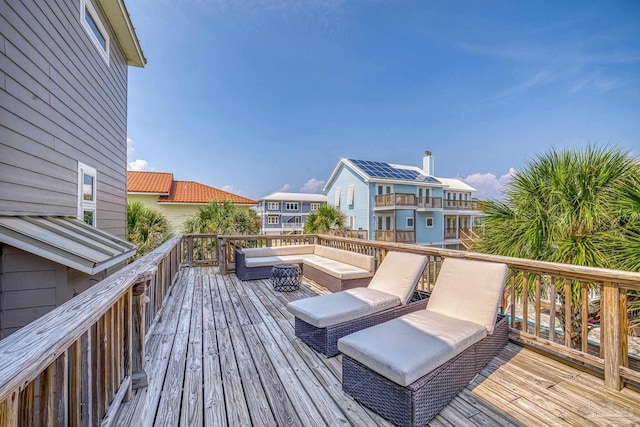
(190, 250)
(612, 339)
(140, 299)
(222, 254)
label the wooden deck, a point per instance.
(225, 353)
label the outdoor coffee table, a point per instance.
(286, 277)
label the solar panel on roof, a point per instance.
(385, 170)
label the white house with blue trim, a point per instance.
(286, 213)
(401, 203)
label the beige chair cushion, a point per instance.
(278, 250)
(398, 274)
(275, 260)
(337, 269)
(332, 309)
(469, 290)
(365, 262)
(411, 346)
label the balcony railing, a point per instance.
(76, 364)
(397, 236)
(462, 204)
(395, 199)
(430, 202)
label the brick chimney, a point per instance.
(427, 164)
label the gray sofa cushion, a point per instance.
(411, 346)
(332, 309)
(275, 260)
(338, 269)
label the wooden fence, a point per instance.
(76, 364)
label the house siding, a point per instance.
(61, 104)
(362, 202)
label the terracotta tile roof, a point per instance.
(149, 182)
(194, 192)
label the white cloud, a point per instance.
(312, 186)
(130, 148)
(286, 188)
(487, 185)
(138, 165)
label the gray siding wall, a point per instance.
(60, 104)
(28, 287)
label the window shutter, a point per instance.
(336, 201)
(350, 195)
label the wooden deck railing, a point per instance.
(461, 204)
(395, 199)
(592, 297)
(429, 202)
(398, 236)
(76, 364)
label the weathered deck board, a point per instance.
(224, 352)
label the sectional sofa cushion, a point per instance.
(365, 262)
(278, 250)
(339, 269)
(265, 261)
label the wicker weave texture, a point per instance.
(253, 273)
(418, 403)
(325, 340)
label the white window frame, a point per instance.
(87, 6)
(273, 219)
(350, 196)
(427, 221)
(87, 205)
(291, 206)
(410, 220)
(336, 199)
(314, 206)
(273, 206)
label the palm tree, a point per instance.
(325, 218)
(147, 228)
(223, 218)
(573, 207)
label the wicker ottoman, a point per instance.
(286, 277)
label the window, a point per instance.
(271, 219)
(93, 25)
(387, 189)
(314, 206)
(87, 186)
(380, 189)
(336, 200)
(429, 222)
(388, 223)
(291, 206)
(409, 222)
(379, 223)
(350, 191)
(273, 206)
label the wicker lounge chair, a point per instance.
(322, 320)
(409, 368)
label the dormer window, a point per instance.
(92, 23)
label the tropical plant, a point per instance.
(223, 218)
(573, 207)
(324, 219)
(147, 228)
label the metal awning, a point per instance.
(67, 241)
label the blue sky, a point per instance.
(255, 96)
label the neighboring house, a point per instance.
(63, 149)
(399, 203)
(286, 213)
(177, 200)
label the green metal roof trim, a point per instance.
(67, 241)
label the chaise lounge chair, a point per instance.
(409, 368)
(322, 320)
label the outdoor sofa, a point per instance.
(335, 269)
(409, 368)
(320, 321)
